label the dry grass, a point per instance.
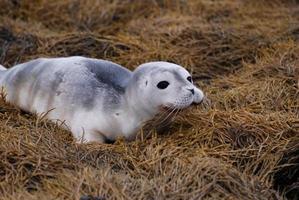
(243, 54)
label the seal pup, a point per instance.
(98, 100)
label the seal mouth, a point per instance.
(170, 107)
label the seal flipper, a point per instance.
(2, 68)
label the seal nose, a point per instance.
(191, 90)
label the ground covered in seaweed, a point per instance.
(244, 54)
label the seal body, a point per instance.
(96, 99)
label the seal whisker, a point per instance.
(175, 115)
(169, 115)
(162, 114)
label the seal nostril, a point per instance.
(191, 90)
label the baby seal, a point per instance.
(98, 100)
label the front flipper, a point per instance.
(92, 136)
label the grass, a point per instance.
(243, 54)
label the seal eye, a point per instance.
(162, 84)
(189, 79)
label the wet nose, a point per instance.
(191, 90)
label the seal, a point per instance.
(98, 100)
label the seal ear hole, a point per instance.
(189, 78)
(145, 82)
(162, 85)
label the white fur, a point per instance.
(2, 67)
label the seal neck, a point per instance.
(135, 106)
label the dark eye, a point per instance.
(162, 84)
(189, 79)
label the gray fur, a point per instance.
(48, 79)
(112, 74)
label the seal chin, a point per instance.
(195, 103)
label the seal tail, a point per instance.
(2, 68)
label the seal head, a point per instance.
(161, 84)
